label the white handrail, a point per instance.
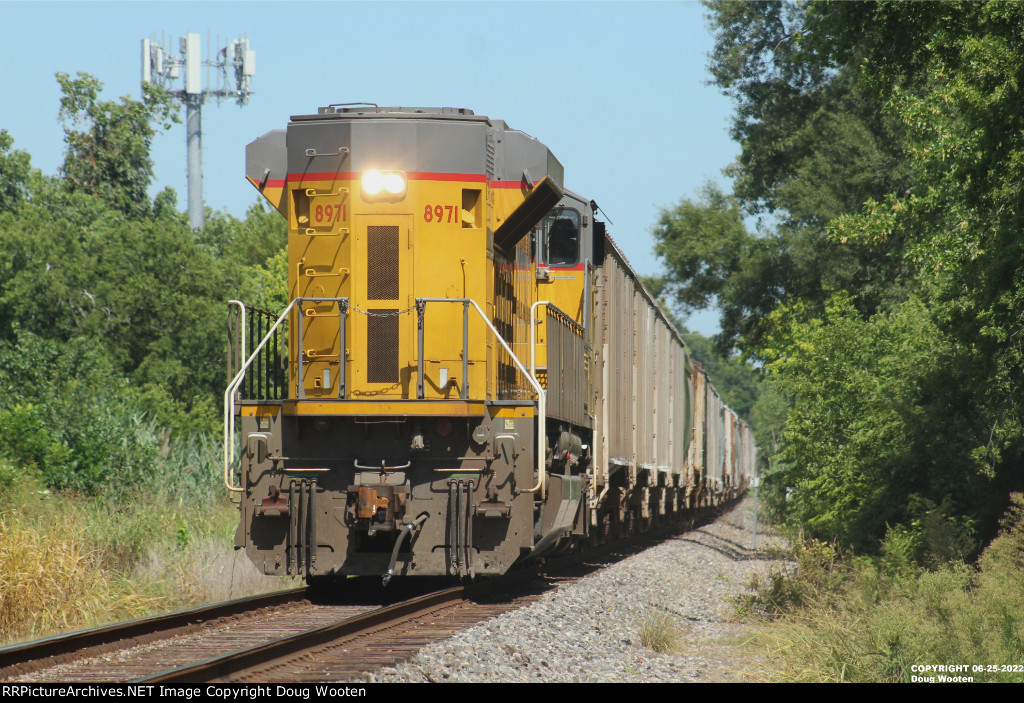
(241, 324)
(542, 410)
(229, 396)
(541, 395)
(542, 403)
(229, 399)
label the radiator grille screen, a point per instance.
(382, 262)
(382, 346)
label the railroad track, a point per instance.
(348, 651)
(337, 652)
(29, 660)
(283, 637)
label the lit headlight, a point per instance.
(389, 186)
(373, 182)
(394, 183)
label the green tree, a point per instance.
(249, 242)
(148, 289)
(815, 145)
(110, 159)
(15, 171)
(702, 244)
(966, 136)
(876, 423)
(112, 311)
(885, 293)
(65, 413)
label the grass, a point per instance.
(71, 561)
(872, 619)
(207, 571)
(658, 631)
(50, 580)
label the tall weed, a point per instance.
(883, 615)
(203, 571)
(658, 631)
(49, 580)
(816, 574)
(133, 554)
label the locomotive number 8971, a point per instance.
(468, 372)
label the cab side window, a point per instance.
(562, 237)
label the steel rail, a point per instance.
(234, 663)
(262, 658)
(59, 645)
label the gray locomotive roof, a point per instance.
(428, 139)
(350, 111)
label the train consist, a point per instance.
(468, 373)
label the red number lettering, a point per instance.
(436, 213)
(337, 213)
(329, 212)
(319, 213)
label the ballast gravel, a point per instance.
(588, 631)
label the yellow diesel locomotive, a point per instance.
(468, 372)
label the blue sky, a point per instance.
(617, 90)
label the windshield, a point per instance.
(562, 237)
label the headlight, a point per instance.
(373, 182)
(394, 183)
(389, 186)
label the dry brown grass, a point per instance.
(658, 631)
(50, 581)
(206, 571)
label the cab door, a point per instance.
(382, 316)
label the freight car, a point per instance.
(468, 373)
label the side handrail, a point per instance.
(539, 389)
(229, 393)
(239, 353)
(577, 327)
(229, 397)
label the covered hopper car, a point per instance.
(468, 373)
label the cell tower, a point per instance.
(161, 67)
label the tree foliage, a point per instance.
(68, 416)
(875, 420)
(15, 171)
(109, 159)
(815, 145)
(882, 146)
(112, 310)
(147, 288)
(702, 243)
